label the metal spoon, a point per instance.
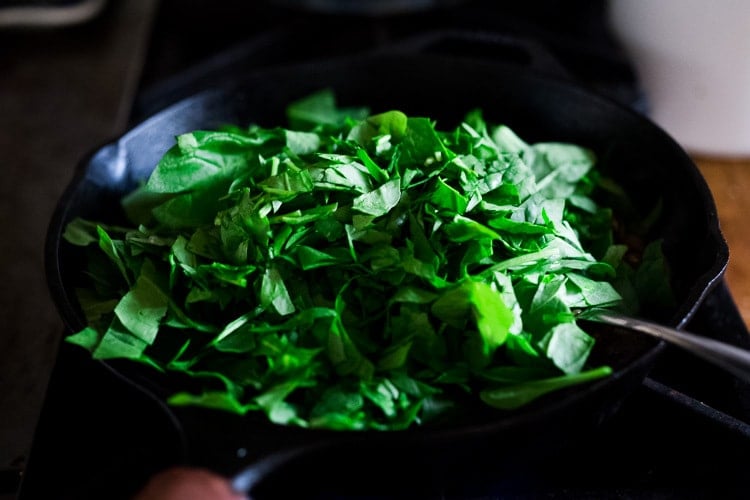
(731, 358)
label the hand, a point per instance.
(188, 483)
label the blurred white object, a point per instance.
(693, 61)
(47, 13)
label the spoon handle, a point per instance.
(729, 357)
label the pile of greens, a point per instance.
(355, 270)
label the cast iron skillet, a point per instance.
(638, 154)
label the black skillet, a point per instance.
(650, 166)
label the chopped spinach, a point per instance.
(355, 270)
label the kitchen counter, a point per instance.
(729, 181)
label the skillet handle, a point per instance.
(510, 50)
(250, 476)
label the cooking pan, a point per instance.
(646, 161)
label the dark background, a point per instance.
(63, 90)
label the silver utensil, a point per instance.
(729, 357)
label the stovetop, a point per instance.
(685, 432)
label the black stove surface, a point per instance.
(684, 433)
